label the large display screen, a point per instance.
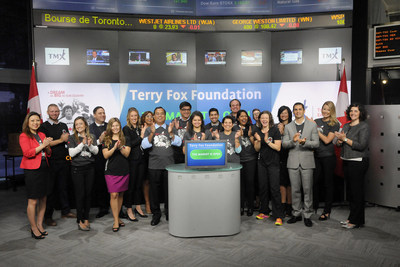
(292, 56)
(387, 41)
(139, 57)
(197, 7)
(206, 154)
(251, 58)
(215, 58)
(98, 57)
(176, 58)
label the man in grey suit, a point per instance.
(301, 138)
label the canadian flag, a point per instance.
(341, 106)
(342, 100)
(33, 100)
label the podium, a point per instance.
(204, 202)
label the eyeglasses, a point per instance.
(185, 109)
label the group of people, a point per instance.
(283, 163)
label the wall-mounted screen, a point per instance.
(206, 154)
(56, 56)
(176, 58)
(98, 57)
(292, 56)
(251, 58)
(139, 57)
(215, 58)
(387, 41)
(330, 55)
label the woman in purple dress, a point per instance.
(116, 149)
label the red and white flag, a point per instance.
(33, 100)
(341, 106)
(342, 100)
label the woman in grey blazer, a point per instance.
(354, 142)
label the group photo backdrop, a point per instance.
(117, 98)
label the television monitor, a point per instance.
(139, 57)
(176, 58)
(292, 56)
(98, 57)
(215, 58)
(251, 58)
(202, 154)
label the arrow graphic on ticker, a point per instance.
(183, 26)
(282, 24)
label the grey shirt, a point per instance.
(232, 155)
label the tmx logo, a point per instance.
(58, 57)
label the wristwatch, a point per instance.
(345, 140)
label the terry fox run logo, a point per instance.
(57, 56)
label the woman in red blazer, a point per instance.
(35, 149)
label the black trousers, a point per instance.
(134, 195)
(83, 179)
(59, 176)
(158, 182)
(354, 173)
(100, 187)
(324, 173)
(268, 179)
(247, 179)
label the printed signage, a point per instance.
(57, 56)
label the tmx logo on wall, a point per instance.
(330, 55)
(57, 56)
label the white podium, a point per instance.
(204, 202)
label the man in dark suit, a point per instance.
(301, 138)
(98, 129)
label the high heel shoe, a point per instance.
(115, 229)
(140, 215)
(36, 236)
(44, 233)
(324, 217)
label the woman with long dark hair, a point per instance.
(325, 158)
(354, 142)
(248, 159)
(268, 142)
(116, 149)
(82, 148)
(284, 117)
(195, 128)
(136, 166)
(35, 150)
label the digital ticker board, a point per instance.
(189, 24)
(387, 41)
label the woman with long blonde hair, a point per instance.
(325, 158)
(116, 150)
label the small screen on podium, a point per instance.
(206, 154)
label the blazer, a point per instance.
(31, 160)
(301, 155)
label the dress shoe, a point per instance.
(115, 229)
(36, 236)
(50, 222)
(132, 220)
(324, 217)
(102, 213)
(68, 215)
(83, 227)
(140, 215)
(294, 219)
(307, 222)
(155, 221)
(44, 233)
(250, 212)
(351, 226)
